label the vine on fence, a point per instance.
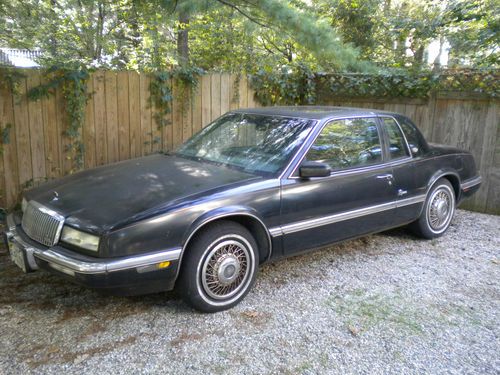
(5, 136)
(293, 85)
(73, 83)
(300, 86)
(10, 79)
(186, 81)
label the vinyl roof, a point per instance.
(312, 112)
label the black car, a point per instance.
(254, 186)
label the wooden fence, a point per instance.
(120, 124)
(469, 122)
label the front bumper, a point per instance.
(140, 274)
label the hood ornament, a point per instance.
(56, 195)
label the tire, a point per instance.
(219, 268)
(438, 211)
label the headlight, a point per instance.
(24, 204)
(80, 239)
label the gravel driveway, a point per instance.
(387, 303)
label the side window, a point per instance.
(412, 135)
(397, 144)
(347, 143)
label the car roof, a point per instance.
(313, 112)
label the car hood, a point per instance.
(99, 199)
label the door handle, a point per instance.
(387, 176)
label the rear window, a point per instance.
(397, 144)
(413, 136)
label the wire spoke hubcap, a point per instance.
(225, 269)
(440, 209)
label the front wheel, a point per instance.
(219, 268)
(438, 211)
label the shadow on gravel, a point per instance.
(44, 291)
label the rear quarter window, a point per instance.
(413, 136)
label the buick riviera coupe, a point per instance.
(254, 186)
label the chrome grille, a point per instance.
(42, 224)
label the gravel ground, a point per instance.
(386, 303)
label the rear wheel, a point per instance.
(219, 268)
(438, 211)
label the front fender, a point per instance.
(216, 214)
(219, 213)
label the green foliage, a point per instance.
(287, 85)
(388, 85)
(300, 86)
(473, 29)
(10, 79)
(73, 83)
(185, 80)
(5, 136)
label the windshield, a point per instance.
(260, 144)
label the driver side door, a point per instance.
(355, 199)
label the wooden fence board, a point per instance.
(99, 102)
(10, 181)
(177, 108)
(89, 134)
(134, 114)
(36, 130)
(123, 115)
(187, 114)
(168, 130)
(225, 93)
(61, 120)
(197, 109)
(243, 93)
(51, 137)
(233, 91)
(146, 123)
(215, 96)
(206, 100)
(251, 102)
(111, 116)
(23, 144)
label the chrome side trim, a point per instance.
(467, 184)
(78, 266)
(342, 216)
(275, 231)
(412, 200)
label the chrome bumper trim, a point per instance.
(12, 236)
(467, 184)
(52, 256)
(78, 266)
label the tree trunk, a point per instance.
(183, 39)
(437, 60)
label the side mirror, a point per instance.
(414, 149)
(310, 169)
